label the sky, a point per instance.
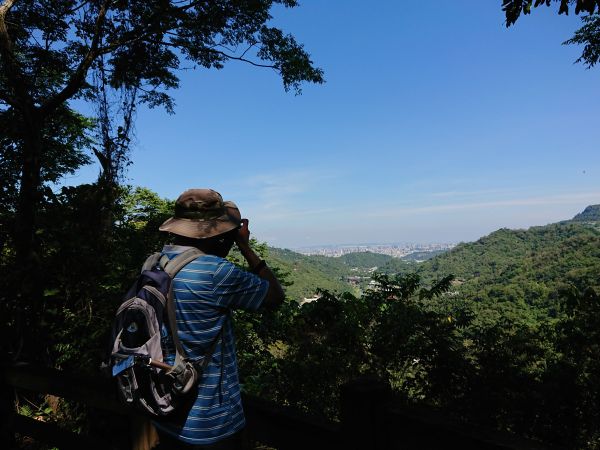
(436, 124)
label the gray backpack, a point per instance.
(145, 332)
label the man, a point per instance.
(205, 291)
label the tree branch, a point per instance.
(191, 5)
(212, 50)
(117, 44)
(14, 75)
(78, 7)
(5, 7)
(246, 51)
(240, 58)
(77, 79)
(137, 35)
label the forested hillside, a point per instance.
(500, 343)
(523, 265)
(309, 273)
(350, 272)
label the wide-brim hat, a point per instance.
(202, 213)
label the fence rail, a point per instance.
(368, 420)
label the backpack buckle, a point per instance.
(145, 360)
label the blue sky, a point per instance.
(436, 124)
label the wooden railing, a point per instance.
(368, 419)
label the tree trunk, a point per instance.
(28, 268)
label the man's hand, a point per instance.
(242, 236)
(275, 294)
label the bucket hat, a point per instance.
(202, 213)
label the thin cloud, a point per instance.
(280, 205)
(475, 193)
(282, 189)
(288, 213)
(564, 199)
(427, 223)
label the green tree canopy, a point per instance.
(514, 8)
(49, 50)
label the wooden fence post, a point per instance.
(7, 414)
(143, 433)
(362, 412)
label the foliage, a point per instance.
(65, 139)
(527, 266)
(321, 345)
(84, 272)
(308, 273)
(364, 259)
(145, 43)
(589, 214)
(50, 51)
(514, 8)
(589, 37)
(115, 112)
(578, 368)
(511, 342)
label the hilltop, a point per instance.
(589, 214)
(524, 265)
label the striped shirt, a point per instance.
(205, 291)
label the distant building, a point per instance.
(395, 250)
(354, 280)
(308, 300)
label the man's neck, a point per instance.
(205, 246)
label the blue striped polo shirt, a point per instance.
(205, 290)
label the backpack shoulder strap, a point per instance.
(176, 264)
(151, 261)
(172, 267)
(201, 365)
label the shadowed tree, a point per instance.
(49, 48)
(114, 128)
(514, 8)
(64, 139)
(588, 35)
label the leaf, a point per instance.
(564, 7)
(51, 292)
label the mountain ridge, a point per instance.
(530, 264)
(590, 214)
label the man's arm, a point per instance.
(275, 294)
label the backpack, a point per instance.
(144, 332)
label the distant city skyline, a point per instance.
(436, 124)
(397, 250)
(372, 244)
